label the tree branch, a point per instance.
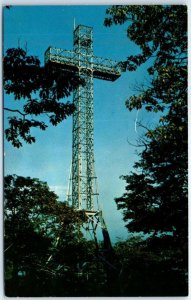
(8, 247)
(142, 144)
(15, 110)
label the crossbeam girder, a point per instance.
(102, 68)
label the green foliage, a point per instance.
(156, 198)
(45, 253)
(34, 220)
(161, 33)
(39, 89)
(149, 268)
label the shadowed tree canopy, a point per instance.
(156, 198)
(43, 243)
(149, 270)
(37, 91)
(34, 220)
(45, 253)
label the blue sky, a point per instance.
(49, 159)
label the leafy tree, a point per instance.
(38, 91)
(34, 223)
(147, 271)
(44, 250)
(155, 201)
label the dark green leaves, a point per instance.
(21, 128)
(21, 73)
(156, 198)
(43, 241)
(40, 90)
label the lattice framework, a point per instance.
(83, 62)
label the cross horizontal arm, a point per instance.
(102, 68)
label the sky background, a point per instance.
(49, 159)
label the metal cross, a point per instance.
(82, 61)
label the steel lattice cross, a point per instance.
(88, 66)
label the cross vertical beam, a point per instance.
(82, 146)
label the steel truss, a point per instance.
(84, 194)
